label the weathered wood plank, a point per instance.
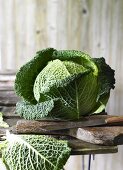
(50, 125)
(8, 112)
(99, 135)
(41, 36)
(83, 148)
(8, 98)
(6, 84)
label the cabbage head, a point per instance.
(64, 84)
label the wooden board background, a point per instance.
(94, 26)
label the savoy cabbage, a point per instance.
(65, 84)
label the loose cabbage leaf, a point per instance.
(34, 152)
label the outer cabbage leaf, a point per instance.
(27, 74)
(106, 83)
(76, 99)
(105, 76)
(34, 111)
(34, 152)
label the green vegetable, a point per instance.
(34, 152)
(63, 84)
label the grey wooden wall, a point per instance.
(94, 26)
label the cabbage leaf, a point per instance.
(34, 152)
(25, 77)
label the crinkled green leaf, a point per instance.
(106, 82)
(34, 111)
(27, 74)
(105, 76)
(77, 98)
(76, 56)
(56, 74)
(35, 152)
(71, 101)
